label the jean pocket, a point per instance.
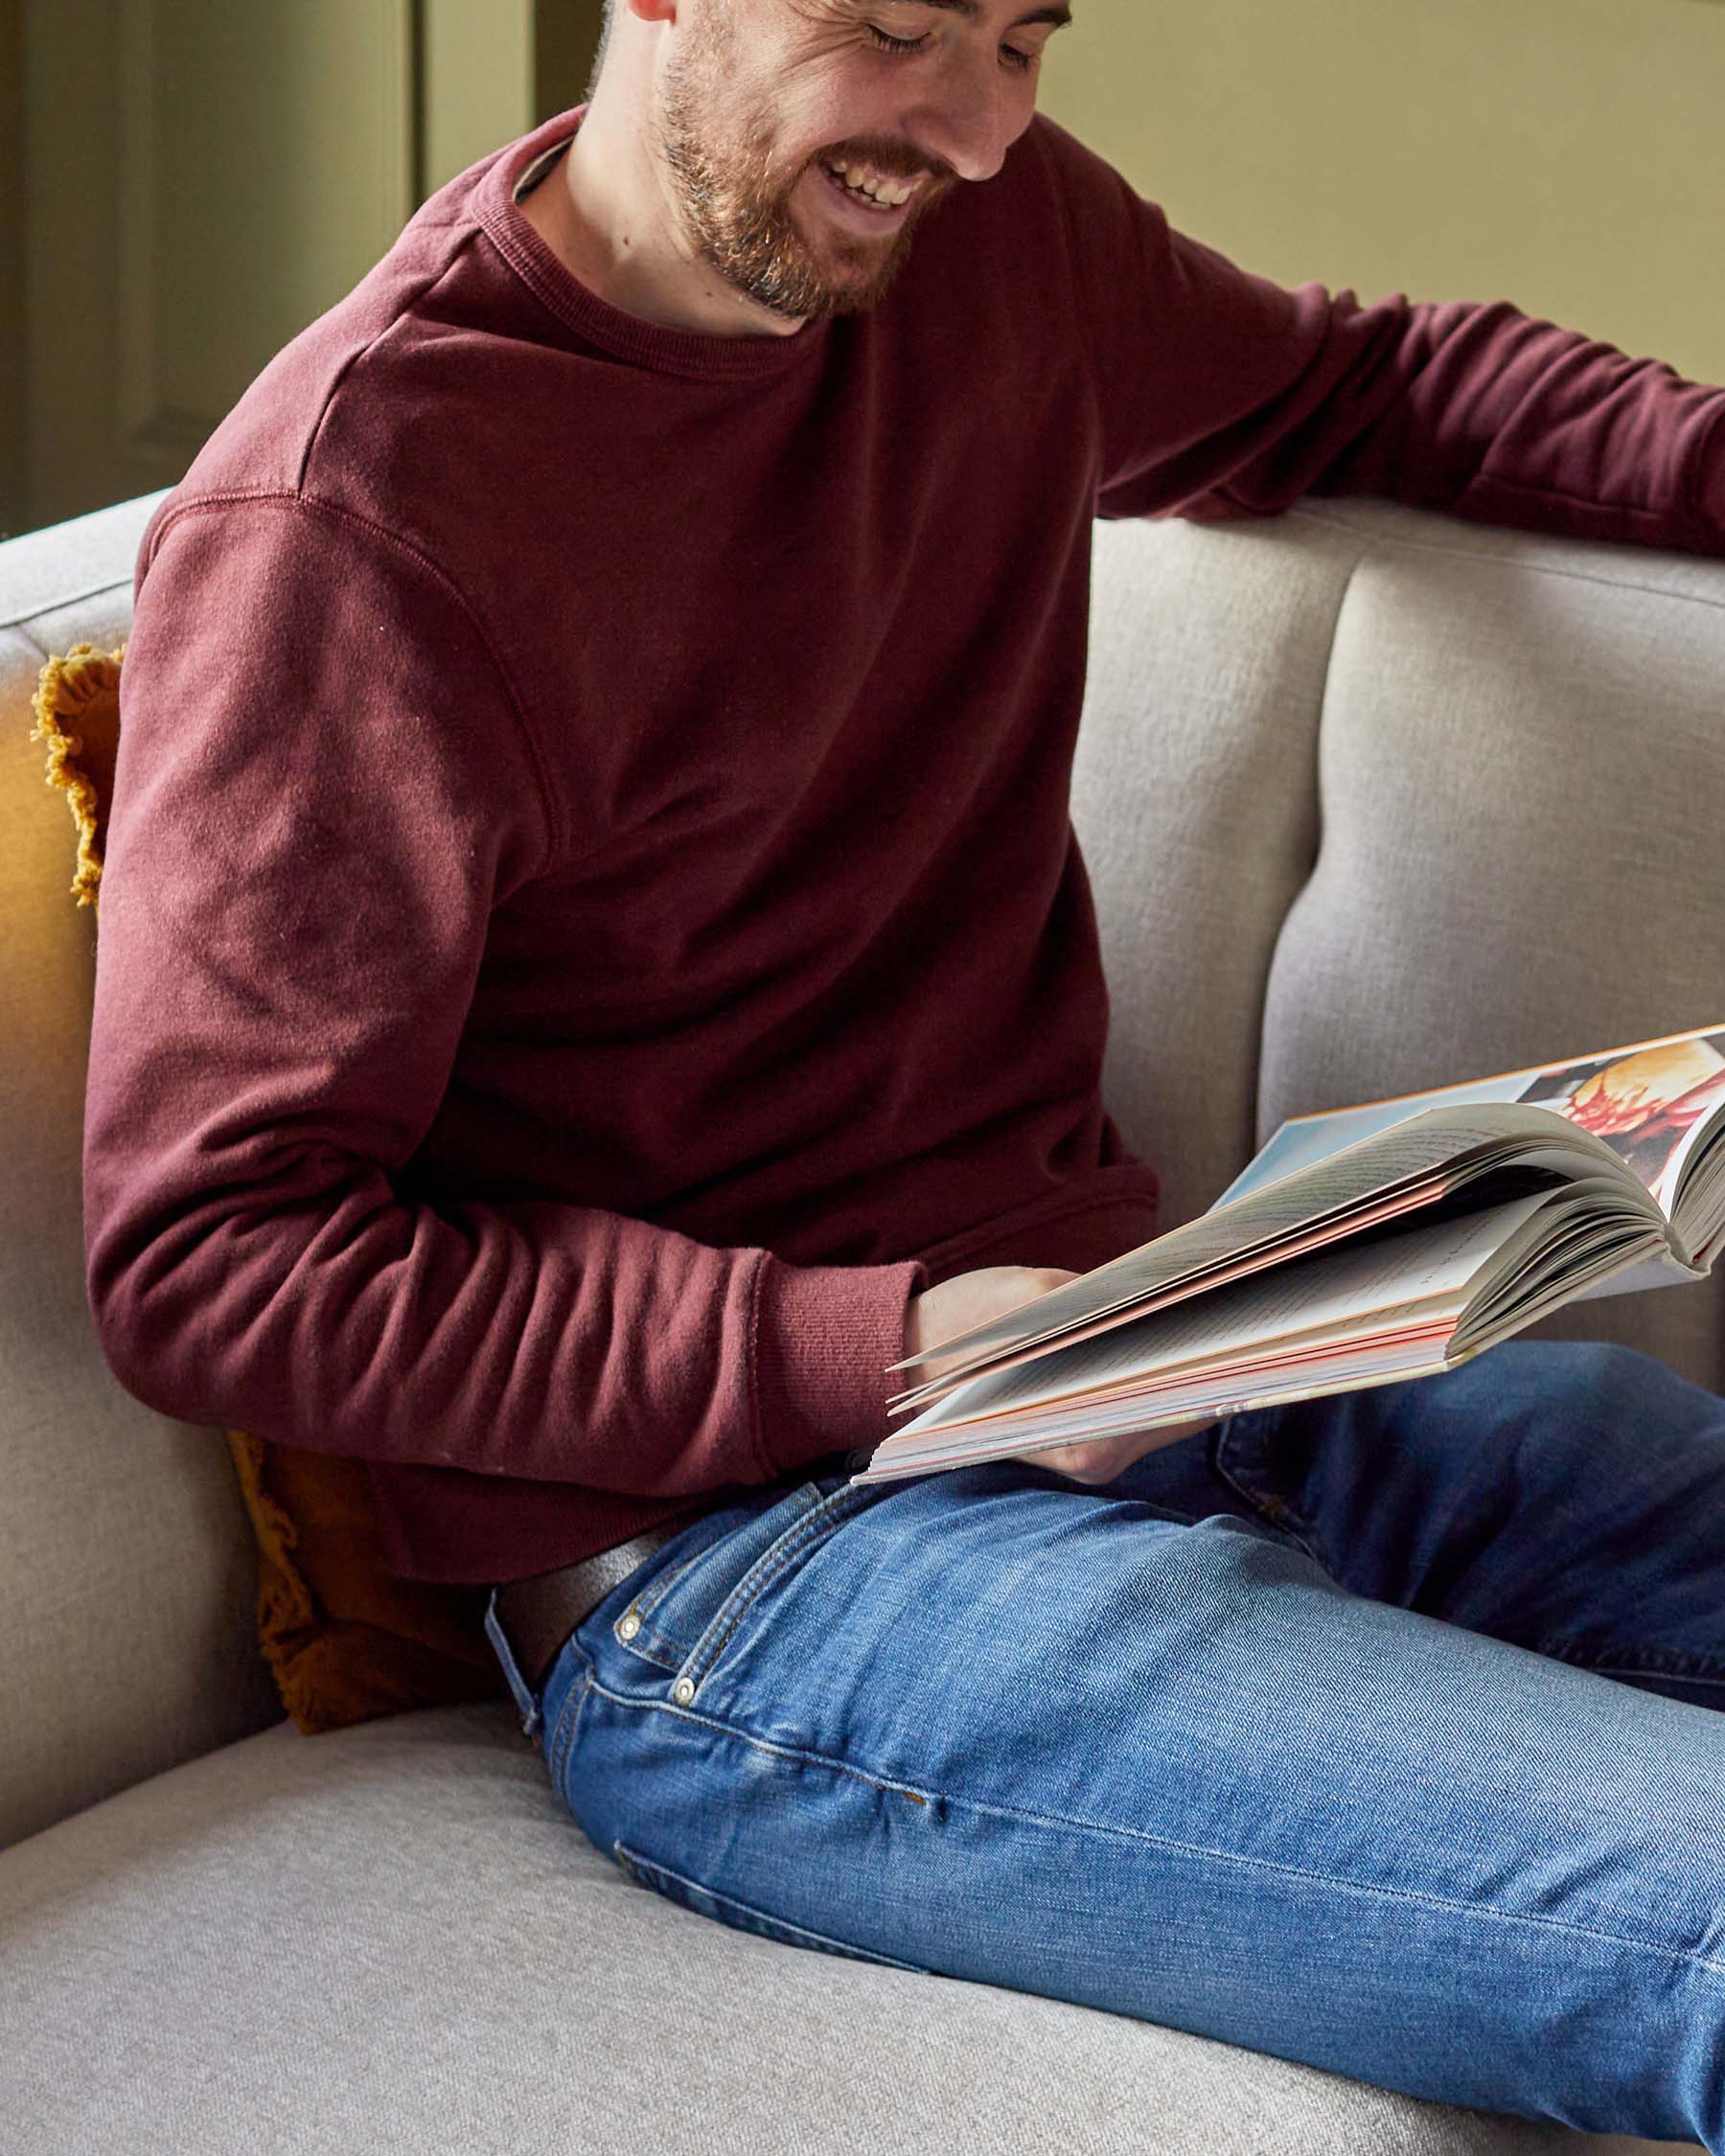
(1247, 1458)
(637, 1626)
(741, 1915)
(718, 1622)
(663, 1619)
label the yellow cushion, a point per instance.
(346, 1640)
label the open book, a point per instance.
(1361, 1247)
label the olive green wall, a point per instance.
(477, 81)
(11, 266)
(491, 71)
(1568, 155)
(185, 183)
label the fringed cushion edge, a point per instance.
(65, 690)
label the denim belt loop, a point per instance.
(531, 1713)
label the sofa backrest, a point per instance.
(1371, 801)
(127, 1574)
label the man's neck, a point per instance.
(627, 255)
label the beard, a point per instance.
(735, 203)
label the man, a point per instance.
(595, 968)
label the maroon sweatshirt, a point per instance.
(590, 921)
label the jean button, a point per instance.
(683, 1691)
(628, 1626)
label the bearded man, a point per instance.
(595, 968)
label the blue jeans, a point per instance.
(1370, 1732)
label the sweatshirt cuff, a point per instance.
(824, 1336)
(1709, 494)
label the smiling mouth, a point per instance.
(861, 199)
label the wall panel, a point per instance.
(204, 180)
(1568, 155)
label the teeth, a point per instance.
(889, 194)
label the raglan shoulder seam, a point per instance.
(426, 285)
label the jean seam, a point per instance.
(648, 1640)
(563, 1741)
(1641, 1669)
(1108, 1827)
(703, 1656)
(648, 1599)
(1640, 1662)
(647, 1872)
(649, 1644)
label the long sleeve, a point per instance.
(325, 788)
(1221, 394)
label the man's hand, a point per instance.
(1104, 1457)
(972, 1298)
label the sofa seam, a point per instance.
(1386, 540)
(1320, 810)
(30, 637)
(19, 622)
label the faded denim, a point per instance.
(1377, 1733)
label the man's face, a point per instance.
(759, 99)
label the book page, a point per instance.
(1329, 1193)
(1422, 1198)
(1396, 1344)
(1690, 1188)
(1431, 1269)
(1342, 1370)
(1565, 1276)
(1640, 1100)
(1659, 1270)
(1651, 1106)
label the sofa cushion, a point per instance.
(398, 1933)
(1522, 768)
(1374, 800)
(112, 1666)
(345, 1639)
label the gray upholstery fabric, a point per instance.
(1319, 828)
(1375, 800)
(394, 1936)
(127, 1575)
(1523, 774)
(1194, 796)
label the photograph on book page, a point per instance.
(1649, 1101)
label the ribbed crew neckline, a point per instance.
(647, 344)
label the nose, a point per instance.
(969, 117)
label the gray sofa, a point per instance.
(1372, 799)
